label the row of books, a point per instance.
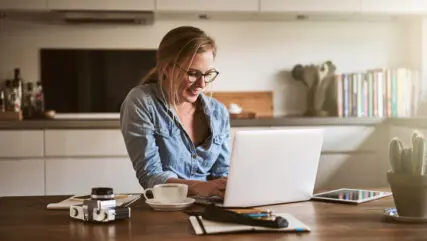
(379, 93)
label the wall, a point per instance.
(423, 57)
(252, 55)
(418, 48)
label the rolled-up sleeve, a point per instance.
(222, 164)
(138, 134)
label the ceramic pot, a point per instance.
(409, 193)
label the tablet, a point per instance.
(348, 195)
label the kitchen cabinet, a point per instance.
(332, 6)
(23, 4)
(72, 161)
(349, 139)
(109, 142)
(338, 139)
(132, 5)
(208, 5)
(84, 142)
(360, 170)
(77, 160)
(350, 156)
(21, 177)
(343, 139)
(21, 143)
(66, 176)
(394, 7)
(265, 6)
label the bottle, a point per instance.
(39, 98)
(7, 95)
(15, 101)
(29, 108)
(18, 83)
(2, 101)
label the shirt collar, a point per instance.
(205, 100)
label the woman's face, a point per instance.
(194, 82)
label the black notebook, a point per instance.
(202, 226)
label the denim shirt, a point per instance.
(159, 147)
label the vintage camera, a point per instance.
(99, 207)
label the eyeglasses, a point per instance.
(194, 75)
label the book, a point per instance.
(122, 200)
(380, 93)
(203, 227)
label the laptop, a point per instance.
(271, 166)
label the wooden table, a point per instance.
(26, 218)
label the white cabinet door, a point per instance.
(21, 177)
(69, 143)
(21, 143)
(337, 138)
(351, 171)
(208, 5)
(350, 139)
(346, 138)
(394, 6)
(142, 5)
(350, 157)
(310, 6)
(77, 176)
(23, 4)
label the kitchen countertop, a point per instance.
(258, 122)
(304, 121)
(417, 122)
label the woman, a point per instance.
(173, 132)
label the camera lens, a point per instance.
(102, 193)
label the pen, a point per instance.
(257, 215)
(265, 218)
(299, 229)
(245, 211)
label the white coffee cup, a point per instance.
(168, 193)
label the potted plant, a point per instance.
(407, 178)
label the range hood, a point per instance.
(111, 17)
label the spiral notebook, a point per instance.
(202, 227)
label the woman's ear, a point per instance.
(168, 72)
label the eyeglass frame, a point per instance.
(200, 74)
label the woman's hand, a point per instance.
(209, 188)
(214, 187)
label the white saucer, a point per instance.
(156, 205)
(392, 213)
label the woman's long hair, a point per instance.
(177, 50)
